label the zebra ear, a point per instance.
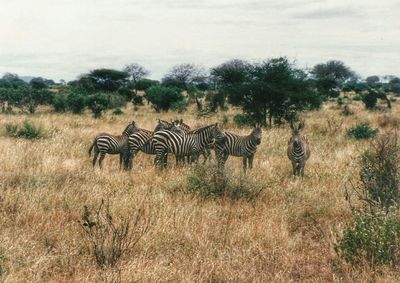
(181, 121)
(133, 123)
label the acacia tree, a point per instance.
(273, 89)
(136, 73)
(330, 76)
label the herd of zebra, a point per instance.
(178, 138)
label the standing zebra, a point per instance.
(105, 143)
(240, 146)
(190, 144)
(142, 140)
(298, 150)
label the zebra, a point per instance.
(298, 150)
(190, 144)
(240, 146)
(142, 140)
(186, 128)
(105, 143)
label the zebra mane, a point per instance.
(203, 129)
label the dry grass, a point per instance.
(286, 235)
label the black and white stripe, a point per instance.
(298, 150)
(240, 146)
(182, 144)
(106, 143)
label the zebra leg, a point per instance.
(120, 161)
(102, 155)
(301, 169)
(245, 163)
(251, 158)
(294, 167)
(96, 154)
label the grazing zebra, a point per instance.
(240, 146)
(142, 140)
(298, 150)
(105, 143)
(190, 144)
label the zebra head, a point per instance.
(218, 135)
(256, 134)
(163, 125)
(296, 133)
(130, 129)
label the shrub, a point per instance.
(98, 103)
(111, 237)
(60, 103)
(137, 100)
(163, 98)
(380, 171)
(115, 101)
(362, 131)
(373, 237)
(243, 120)
(225, 120)
(370, 100)
(179, 106)
(208, 182)
(357, 97)
(27, 131)
(76, 102)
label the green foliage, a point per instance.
(162, 98)
(208, 182)
(76, 102)
(370, 100)
(116, 101)
(179, 106)
(373, 237)
(27, 131)
(145, 84)
(273, 89)
(357, 97)
(225, 120)
(184, 76)
(362, 131)
(243, 120)
(126, 92)
(137, 100)
(380, 171)
(98, 103)
(60, 103)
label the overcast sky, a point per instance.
(64, 38)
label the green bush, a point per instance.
(179, 106)
(373, 237)
(76, 102)
(362, 131)
(163, 98)
(243, 120)
(27, 131)
(370, 100)
(115, 101)
(98, 103)
(60, 103)
(137, 100)
(208, 182)
(357, 97)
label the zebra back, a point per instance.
(232, 144)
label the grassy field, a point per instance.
(287, 234)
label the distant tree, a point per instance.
(163, 98)
(136, 72)
(330, 77)
(106, 80)
(372, 79)
(231, 72)
(184, 75)
(370, 100)
(38, 83)
(28, 99)
(11, 81)
(144, 84)
(76, 102)
(394, 85)
(273, 89)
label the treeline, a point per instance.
(269, 91)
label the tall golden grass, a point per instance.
(287, 234)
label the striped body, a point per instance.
(182, 144)
(298, 150)
(240, 146)
(105, 143)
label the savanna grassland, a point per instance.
(286, 234)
